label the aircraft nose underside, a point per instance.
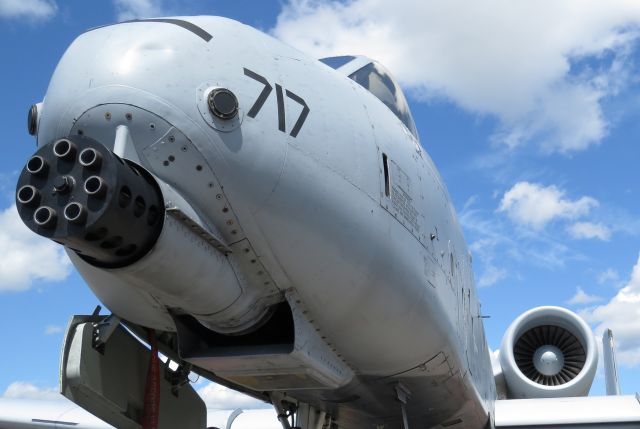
(129, 194)
(143, 108)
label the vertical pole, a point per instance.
(403, 396)
(151, 411)
(405, 421)
(610, 366)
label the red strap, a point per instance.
(151, 410)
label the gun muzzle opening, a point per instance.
(36, 165)
(28, 195)
(64, 149)
(95, 186)
(75, 213)
(45, 217)
(90, 158)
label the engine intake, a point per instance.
(548, 352)
(549, 355)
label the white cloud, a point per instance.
(495, 244)
(52, 330)
(491, 276)
(132, 9)
(27, 257)
(622, 315)
(534, 205)
(581, 298)
(24, 390)
(609, 275)
(587, 230)
(222, 398)
(523, 62)
(31, 9)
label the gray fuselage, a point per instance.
(350, 213)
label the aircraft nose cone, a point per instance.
(548, 360)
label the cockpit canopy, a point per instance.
(377, 80)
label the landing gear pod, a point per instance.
(105, 370)
(78, 193)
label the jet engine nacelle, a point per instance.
(548, 352)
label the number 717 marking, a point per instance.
(264, 94)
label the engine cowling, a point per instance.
(548, 352)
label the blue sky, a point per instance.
(529, 109)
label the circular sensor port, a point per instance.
(32, 120)
(223, 103)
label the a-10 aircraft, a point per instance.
(271, 222)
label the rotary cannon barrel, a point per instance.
(78, 193)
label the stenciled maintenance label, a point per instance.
(401, 199)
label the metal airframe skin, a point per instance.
(349, 213)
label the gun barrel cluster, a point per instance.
(80, 194)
